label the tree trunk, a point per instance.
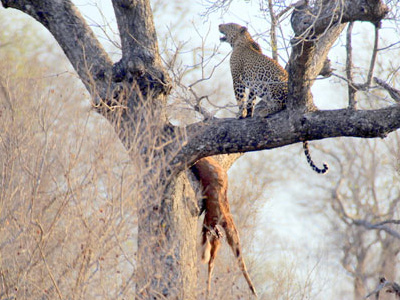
(388, 257)
(167, 256)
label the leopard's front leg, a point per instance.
(250, 103)
(240, 95)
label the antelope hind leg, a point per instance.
(232, 237)
(215, 244)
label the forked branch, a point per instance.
(352, 86)
(394, 93)
(390, 286)
(316, 28)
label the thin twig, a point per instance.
(204, 78)
(373, 57)
(352, 86)
(349, 68)
(274, 46)
(197, 107)
(390, 46)
(298, 3)
(394, 93)
(50, 273)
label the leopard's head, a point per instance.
(232, 32)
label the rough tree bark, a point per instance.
(131, 94)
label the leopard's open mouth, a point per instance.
(223, 38)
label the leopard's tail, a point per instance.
(310, 161)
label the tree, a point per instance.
(364, 201)
(132, 95)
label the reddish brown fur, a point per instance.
(214, 180)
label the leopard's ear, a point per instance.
(256, 46)
(243, 29)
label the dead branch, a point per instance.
(392, 287)
(274, 22)
(377, 226)
(284, 11)
(373, 55)
(352, 86)
(394, 93)
(349, 68)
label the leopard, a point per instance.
(262, 76)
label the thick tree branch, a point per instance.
(305, 64)
(140, 51)
(222, 136)
(316, 28)
(316, 20)
(141, 61)
(137, 31)
(74, 36)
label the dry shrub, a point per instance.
(67, 218)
